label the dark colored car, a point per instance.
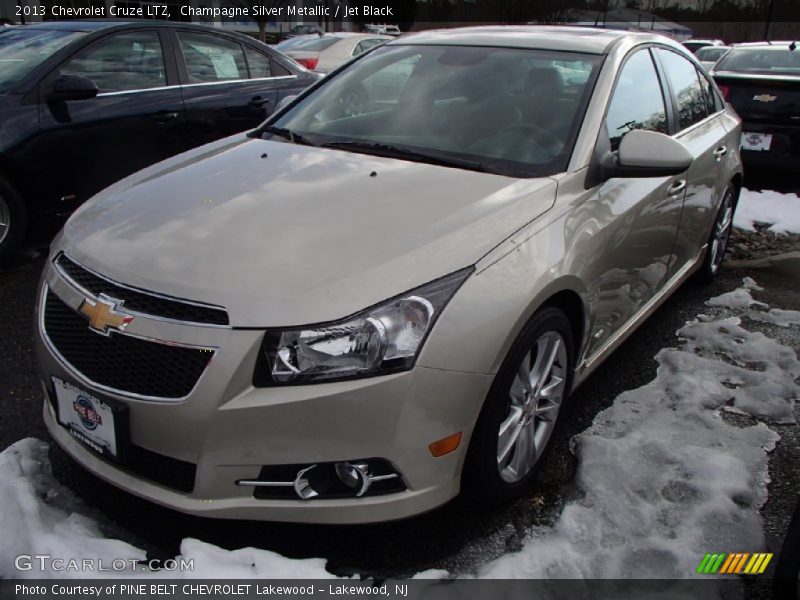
(762, 83)
(84, 104)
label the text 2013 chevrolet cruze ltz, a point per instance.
(363, 306)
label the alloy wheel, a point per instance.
(5, 219)
(722, 232)
(535, 398)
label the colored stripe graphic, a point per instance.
(743, 563)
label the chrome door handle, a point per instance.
(720, 152)
(677, 187)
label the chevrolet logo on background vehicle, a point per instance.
(764, 98)
(104, 314)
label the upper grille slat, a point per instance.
(121, 362)
(141, 301)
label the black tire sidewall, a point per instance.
(18, 220)
(481, 479)
(706, 274)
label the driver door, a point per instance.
(134, 121)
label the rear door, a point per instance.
(228, 86)
(699, 126)
(134, 121)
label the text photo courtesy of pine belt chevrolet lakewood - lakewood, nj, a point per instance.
(399, 297)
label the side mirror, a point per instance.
(650, 154)
(72, 87)
(641, 154)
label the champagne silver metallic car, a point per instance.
(349, 315)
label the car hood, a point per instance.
(283, 234)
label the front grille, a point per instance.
(122, 362)
(139, 300)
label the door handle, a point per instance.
(720, 152)
(258, 101)
(677, 187)
(165, 116)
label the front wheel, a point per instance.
(720, 234)
(13, 220)
(521, 410)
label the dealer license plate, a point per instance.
(86, 417)
(758, 142)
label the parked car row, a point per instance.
(350, 315)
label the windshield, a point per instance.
(23, 49)
(501, 110)
(767, 60)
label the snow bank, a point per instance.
(781, 210)
(39, 516)
(669, 472)
(665, 477)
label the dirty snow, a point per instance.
(40, 516)
(664, 476)
(670, 471)
(782, 211)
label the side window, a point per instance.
(125, 61)
(278, 70)
(712, 102)
(259, 64)
(685, 83)
(637, 102)
(211, 58)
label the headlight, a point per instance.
(381, 339)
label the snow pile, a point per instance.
(781, 210)
(39, 516)
(665, 476)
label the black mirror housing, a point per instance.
(72, 87)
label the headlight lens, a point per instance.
(385, 338)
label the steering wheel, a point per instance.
(537, 131)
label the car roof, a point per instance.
(778, 45)
(589, 40)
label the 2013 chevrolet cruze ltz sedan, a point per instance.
(349, 315)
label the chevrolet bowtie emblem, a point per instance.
(104, 314)
(764, 98)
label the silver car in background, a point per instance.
(710, 55)
(349, 316)
(325, 52)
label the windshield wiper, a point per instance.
(287, 134)
(392, 151)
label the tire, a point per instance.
(490, 472)
(13, 220)
(719, 236)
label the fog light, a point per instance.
(355, 477)
(445, 445)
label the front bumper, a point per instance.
(228, 430)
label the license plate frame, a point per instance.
(756, 142)
(99, 424)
